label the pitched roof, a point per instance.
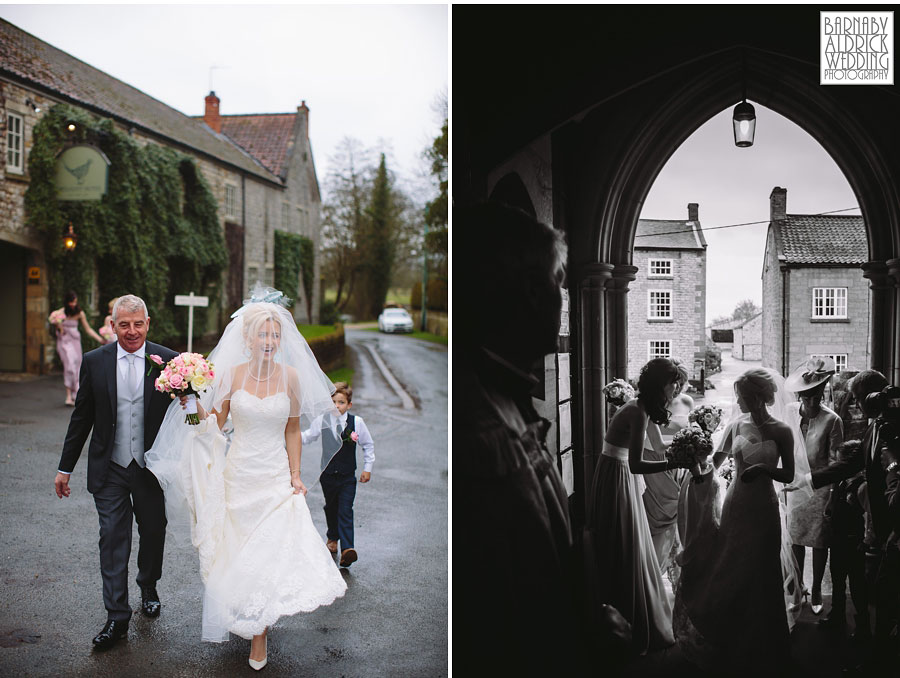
(267, 137)
(658, 234)
(32, 62)
(822, 239)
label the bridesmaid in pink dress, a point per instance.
(626, 566)
(68, 343)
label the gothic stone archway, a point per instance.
(612, 110)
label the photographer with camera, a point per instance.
(871, 390)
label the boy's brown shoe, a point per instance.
(348, 557)
(332, 545)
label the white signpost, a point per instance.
(190, 301)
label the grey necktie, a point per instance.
(132, 377)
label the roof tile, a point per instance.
(661, 234)
(823, 239)
(267, 138)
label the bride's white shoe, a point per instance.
(259, 665)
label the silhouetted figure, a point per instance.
(513, 608)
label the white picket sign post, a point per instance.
(190, 301)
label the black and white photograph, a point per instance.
(676, 244)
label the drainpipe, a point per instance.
(785, 321)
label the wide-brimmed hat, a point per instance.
(810, 374)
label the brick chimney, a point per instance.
(778, 204)
(303, 110)
(693, 211)
(211, 116)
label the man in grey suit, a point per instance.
(117, 400)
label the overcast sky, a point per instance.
(368, 71)
(732, 186)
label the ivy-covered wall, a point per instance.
(155, 233)
(294, 255)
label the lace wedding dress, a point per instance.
(261, 557)
(730, 602)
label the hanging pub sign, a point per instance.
(81, 173)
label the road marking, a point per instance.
(408, 403)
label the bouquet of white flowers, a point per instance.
(707, 417)
(618, 392)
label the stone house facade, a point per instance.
(251, 195)
(747, 344)
(815, 298)
(667, 299)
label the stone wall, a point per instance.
(810, 336)
(686, 329)
(437, 323)
(772, 304)
(748, 340)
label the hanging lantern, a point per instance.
(70, 239)
(744, 121)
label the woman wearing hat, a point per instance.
(823, 431)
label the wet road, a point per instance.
(391, 622)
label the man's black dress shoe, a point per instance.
(150, 604)
(113, 631)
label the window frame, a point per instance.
(650, 315)
(838, 358)
(10, 134)
(836, 303)
(669, 262)
(650, 346)
(230, 200)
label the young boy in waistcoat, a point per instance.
(339, 475)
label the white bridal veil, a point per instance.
(262, 353)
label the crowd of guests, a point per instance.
(798, 485)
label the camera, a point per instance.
(886, 405)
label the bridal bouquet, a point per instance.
(184, 375)
(707, 417)
(726, 471)
(107, 333)
(618, 392)
(56, 318)
(690, 448)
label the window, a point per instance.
(660, 305)
(303, 221)
(230, 201)
(840, 360)
(660, 268)
(286, 216)
(15, 136)
(829, 302)
(659, 349)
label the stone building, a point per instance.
(815, 298)
(667, 299)
(747, 339)
(261, 175)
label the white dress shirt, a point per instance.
(314, 432)
(140, 368)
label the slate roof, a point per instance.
(34, 63)
(822, 239)
(267, 137)
(657, 234)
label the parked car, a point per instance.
(395, 320)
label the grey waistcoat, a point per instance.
(129, 441)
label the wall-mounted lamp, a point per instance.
(70, 239)
(71, 126)
(744, 117)
(34, 106)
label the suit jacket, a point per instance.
(876, 482)
(95, 408)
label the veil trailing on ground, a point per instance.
(800, 488)
(262, 355)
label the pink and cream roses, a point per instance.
(185, 374)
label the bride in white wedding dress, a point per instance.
(261, 557)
